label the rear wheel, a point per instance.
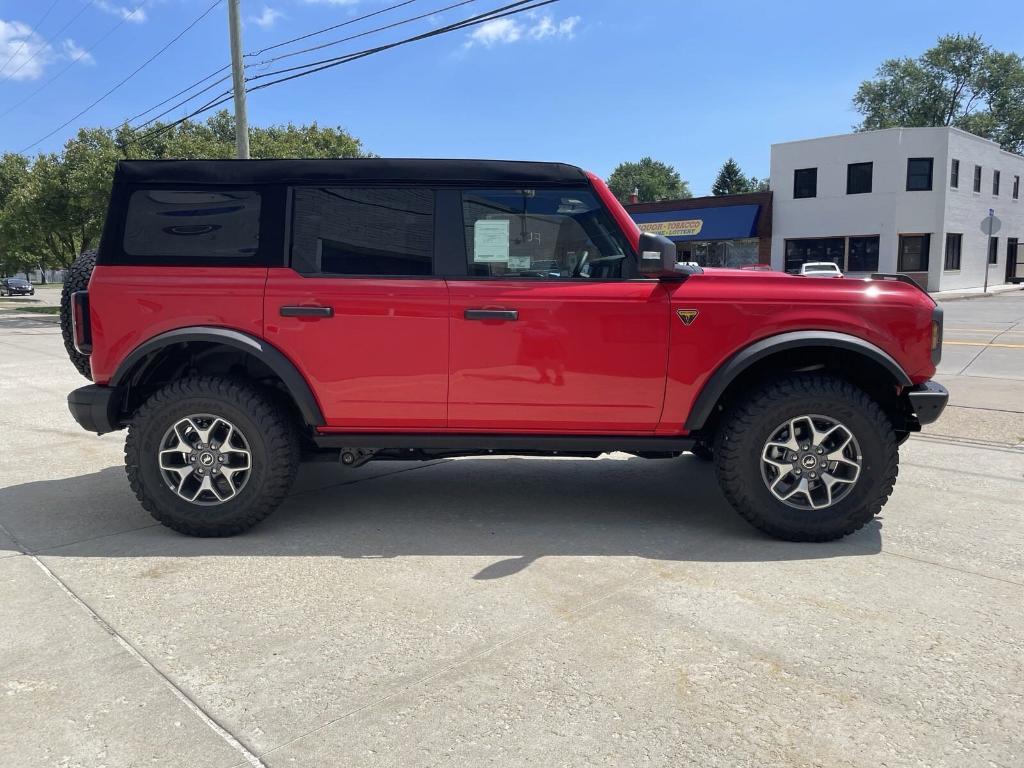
(807, 458)
(211, 456)
(76, 279)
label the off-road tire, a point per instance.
(75, 279)
(271, 434)
(747, 426)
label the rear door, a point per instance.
(358, 308)
(551, 332)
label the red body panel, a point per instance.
(130, 305)
(581, 357)
(381, 362)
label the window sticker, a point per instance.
(490, 241)
(518, 263)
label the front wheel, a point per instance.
(807, 458)
(210, 456)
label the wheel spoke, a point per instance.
(185, 459)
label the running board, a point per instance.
(485, 442)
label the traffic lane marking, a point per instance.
(982, 344)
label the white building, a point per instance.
(911, 200)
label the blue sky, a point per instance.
(591, 82)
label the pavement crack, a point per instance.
(948, 567)
(230, 739)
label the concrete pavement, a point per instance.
(515, 611)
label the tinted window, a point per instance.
(954, 242)
(858, 178)
(1016, 187)
(954, 174)
(913, 255)
(977, 178)
(346, 231)
(995, 182)
(919, 174)
(545, 233)
(993, 250)
(862, 254)
(221, 224)
(805, 182)
(799, 252)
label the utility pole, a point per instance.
(238, 81)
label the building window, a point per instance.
(858, 178)
(862, 254)
(995, 182)
(977, 178)
(993, 250)
(954, 174)
(814, 249)
(384, 232)
(805, 182)
(913, 254)
(919, 174)
(954, 242)
(1016, 187)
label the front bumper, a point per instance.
(96, 408)
(927, 401)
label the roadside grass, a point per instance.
(33, 310)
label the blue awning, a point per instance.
(726, 223)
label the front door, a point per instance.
(359, 310)
(549, 333)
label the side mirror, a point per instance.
(657, 256)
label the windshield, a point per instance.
(17, 281)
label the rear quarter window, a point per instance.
(193, 224)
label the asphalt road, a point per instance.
(515, 611)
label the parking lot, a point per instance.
(552, 612)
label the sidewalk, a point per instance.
(975, 293)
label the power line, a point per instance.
(330, 29)
(27, 38)
(248, 55)
(181, 103)
(134, 72)
(364, 34)
(507, 10)
(77, 57)
(322, 64)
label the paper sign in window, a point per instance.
(490, 241)
(518, 263)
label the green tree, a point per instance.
(730, 180)
(652, 179)
(961, 81)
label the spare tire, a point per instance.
(75, 279)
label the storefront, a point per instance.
(729, 231)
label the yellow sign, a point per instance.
(682, 228)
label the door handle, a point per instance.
(307, 311)
(491, 314)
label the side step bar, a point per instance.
(510, 443)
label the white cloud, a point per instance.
(134, 13)
(491, 33)
(546, 27)
(27, 51)
(76, 53)
(507, 30)
(268, 18)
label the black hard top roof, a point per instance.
(376, 169)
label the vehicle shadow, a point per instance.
(514, 510)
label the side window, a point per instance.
(544, 233)
(363, 231)
(222, 224)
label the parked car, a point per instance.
(16, 286)
(820, 269)
(243, 316)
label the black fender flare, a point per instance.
(740, 361)
(272, 357)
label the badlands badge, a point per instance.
(687, 315)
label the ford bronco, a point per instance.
(242, 316)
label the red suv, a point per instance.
(245, 315)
